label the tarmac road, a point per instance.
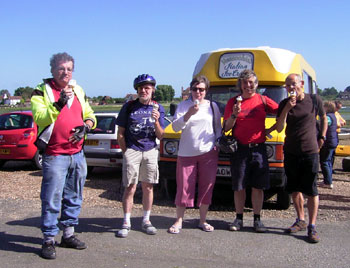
(20, 243)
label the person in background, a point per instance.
(140, 123)
(63, 114)
(301, 150)
(340, 120)
(245, 115)
(340, 123)
(328, 148)
(198, 120)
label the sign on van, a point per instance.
(232, 64)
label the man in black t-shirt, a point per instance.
(301, 150)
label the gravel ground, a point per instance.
(19, 181)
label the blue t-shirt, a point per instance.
(139, 131)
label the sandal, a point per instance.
(206, 227)
(174, 229)
(148, 228)
(124, 231)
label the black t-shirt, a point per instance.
(301, 134)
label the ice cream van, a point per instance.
(222, 67)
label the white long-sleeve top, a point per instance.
(197, 135)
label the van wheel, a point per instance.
(346, 163)
(170, 189)
(38, 160)
(283, 199)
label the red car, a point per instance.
(18, 133)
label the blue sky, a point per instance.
(114, 41)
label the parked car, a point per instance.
(101, 147)
(18, 133)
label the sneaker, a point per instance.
(236, 225)
(259, 227)
(328, 186)
(312, 235)
(48, 250)
(298, 225)
(72, 242)
(124, 231)
(148, 228)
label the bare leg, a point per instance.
(203, 211)
(298, 201)
(147, 195)
(239, 201)
(312, 205)
(128, 198)
(257, 200)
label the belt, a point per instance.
(250, 145)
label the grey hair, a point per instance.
(245, 75)
(298, 76)
(56, 59)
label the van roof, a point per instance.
(280, 61)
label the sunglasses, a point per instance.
(195, 89)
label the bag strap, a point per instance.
(213, 122)
(315, 107)
(263, 101)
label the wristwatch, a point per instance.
(233, 116)
(322, 137)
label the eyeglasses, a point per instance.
(195, 89)
(62, 69)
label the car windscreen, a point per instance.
(15, 121)
(105, 125)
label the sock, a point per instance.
(49, 239)
(256, 217)
(146, 214)
(127, 219)
(239, 216)
(311, 226)
(68, 231)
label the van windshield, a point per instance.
(222, 94)
(274, 92)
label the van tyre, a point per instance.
(346, 163)
(283, 199)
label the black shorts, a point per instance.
(250, 168)
(302, 173)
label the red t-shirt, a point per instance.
(250, 122)
(68, 119)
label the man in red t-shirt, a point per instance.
(246, 115)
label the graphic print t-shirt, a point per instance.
(139, 131)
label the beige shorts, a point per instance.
(140, 166)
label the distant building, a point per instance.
(130, 97)
(12, 100)
(185, 94)
(345, 95)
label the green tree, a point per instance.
(5, 91)
(329, 91)
(167, 91)
(158, 95)
(24, 92)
